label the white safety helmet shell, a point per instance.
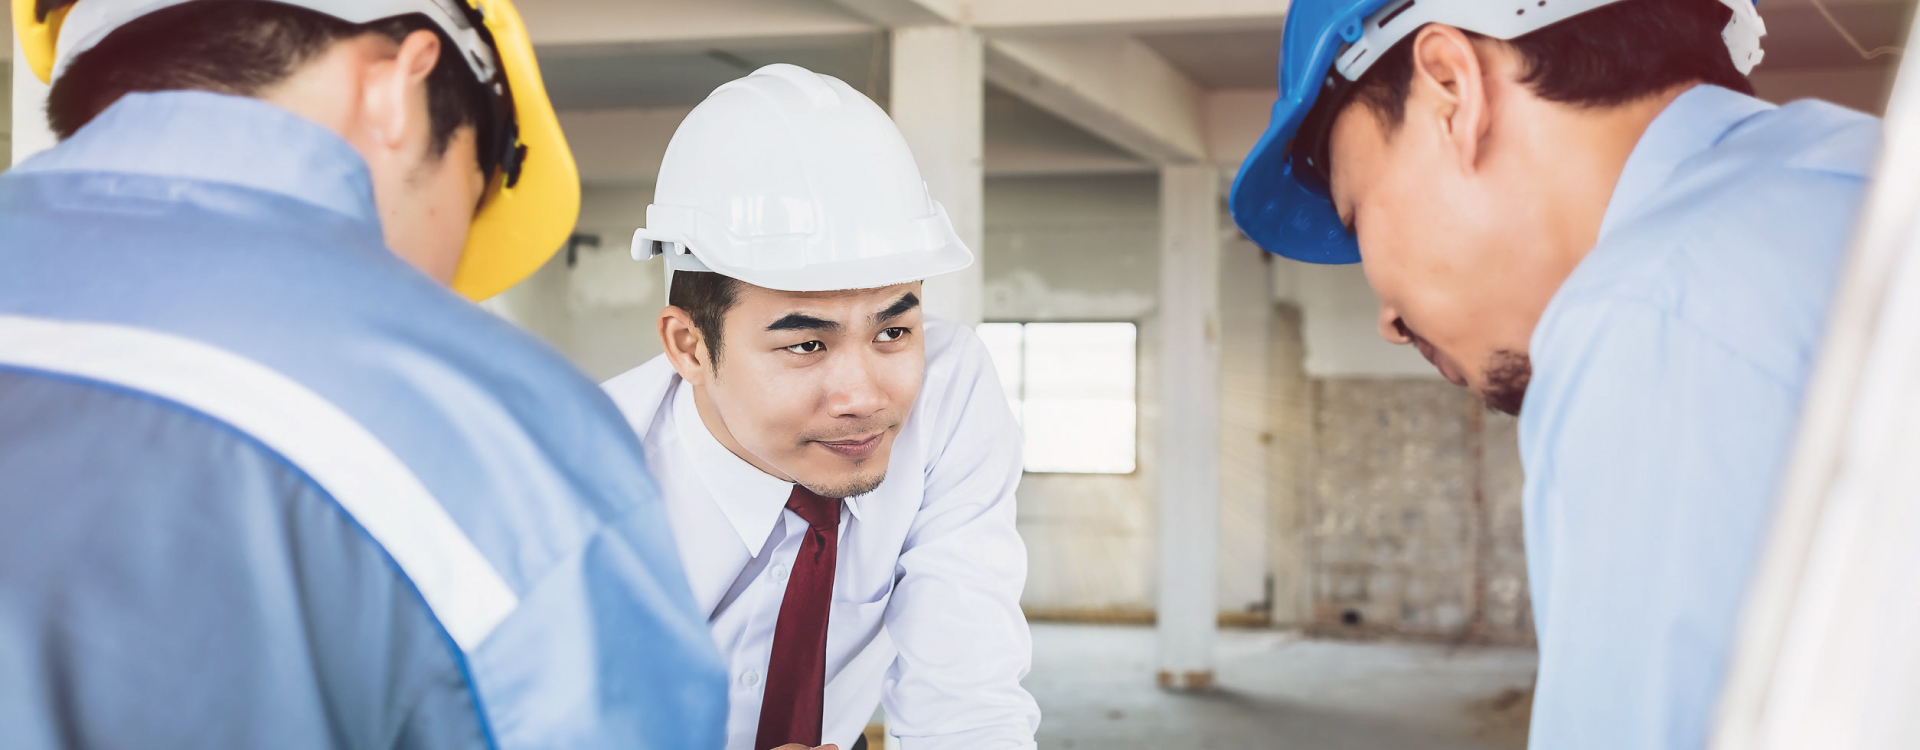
(791, 180)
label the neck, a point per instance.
(717, 427)
(1585, 150)
(1570, 159)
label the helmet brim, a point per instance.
(520, 227)
(1279, 212)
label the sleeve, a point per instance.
(955, 614)
(1651, 465)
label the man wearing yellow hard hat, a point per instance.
(266, 478)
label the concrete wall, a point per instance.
(1412, 508)
(1086, 249)
(1354, 479)
(600, 311)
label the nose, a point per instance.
(856, 389)
(1393, 328)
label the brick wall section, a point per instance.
(1408, 512)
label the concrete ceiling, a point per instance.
(1020, 138)
(608, 77)
(1804, 54)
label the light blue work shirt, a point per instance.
(1667, 379)
(170, 577)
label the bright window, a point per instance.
(1072, 387)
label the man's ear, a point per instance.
(685, 347)
(391, 83)
(1449, 91)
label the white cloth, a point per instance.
(926, 592)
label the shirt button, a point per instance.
(779, 572)
(749, 678)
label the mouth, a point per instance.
(1433, 358)
(856, 449)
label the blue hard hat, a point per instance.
(1280, 198)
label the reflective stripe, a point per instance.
(464, 591)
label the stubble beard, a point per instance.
(851, 488)
(1508, 373)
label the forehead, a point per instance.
(1355, 145)
(754, 302)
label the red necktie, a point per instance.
(795, 700)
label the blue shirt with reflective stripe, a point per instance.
(1668, 373)
(167, 580)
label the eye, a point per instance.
(891, 334)
(808, 347)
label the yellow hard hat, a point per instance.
(534, 199)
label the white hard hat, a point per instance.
(791, 180)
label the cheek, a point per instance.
(763, 402)
(902, 378)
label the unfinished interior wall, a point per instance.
(1403, 514)
(600, 308)
(1413, 513)
(1065, 250)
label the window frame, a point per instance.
(1020, 419)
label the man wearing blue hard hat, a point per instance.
(1577, 209)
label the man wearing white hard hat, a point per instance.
(838, 468)
(267, 477)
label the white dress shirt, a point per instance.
(926, 591)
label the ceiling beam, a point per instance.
(1114, 87)
(623, 148)
(1128, 16)
(1236, 118)
(905, 12)
(597, 26)
(692, 26)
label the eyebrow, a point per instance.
(898, 308)
(802, 322)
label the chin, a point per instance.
(847, 485)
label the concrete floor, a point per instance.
(1095, 685)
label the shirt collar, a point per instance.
(237, 140)
(1692, 123)
(751, 499)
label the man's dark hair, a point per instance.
(1607, 56)
(244, 48)
(706, 297)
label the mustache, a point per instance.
(864, 429)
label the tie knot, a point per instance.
(822, 513)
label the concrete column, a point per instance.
(1189, 487)
(937, 98)
(30, 134)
